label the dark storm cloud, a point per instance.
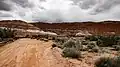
(98, 5)
(87, 4)
(60, 10)
(84, 4)
(106, 5)
(23, 3)
(4, 6)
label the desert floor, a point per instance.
(35, 53)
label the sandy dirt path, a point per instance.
(32, 53)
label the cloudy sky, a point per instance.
(60, 10)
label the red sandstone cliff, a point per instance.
(105, 27)
(17, 24)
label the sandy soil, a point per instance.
(33, 53)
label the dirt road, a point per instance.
(32, 53)
(36, 53)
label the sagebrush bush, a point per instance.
(6, 33)
(84, 42)
(109, 40)
(117, 47)
(60, 40)
(108, 62)
(103, 62)
(105, 50)
(116, 62)
(69, 44)
(71, 52)
(118, 43)
(72, 48)
(104, 40)
(95, 49)
(91, 38)
(92, 46)
(79, 45)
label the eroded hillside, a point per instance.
(105, 27)
(17, 24)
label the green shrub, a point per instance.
(103, 62)
(104, 40)
(100, 43)
(84, 42)
(73, 43)
(71, 52)
(60, 40)
(69, 44)
(6, 33)
(108, 62)
(95, 49)
(79, 45)
(92, 46)
(105, 50)
(56, 45)
(118, 43)
(109, 40)
(91, 38)
(116, 62)
(117, 47)
(72, 48)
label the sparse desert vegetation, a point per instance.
(104, 40)
(71, 49)
(6, 35)
(90, 43)
(108, 62)
(63, 48)
(102, 45)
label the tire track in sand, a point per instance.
(32, 53)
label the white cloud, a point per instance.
(62, 10)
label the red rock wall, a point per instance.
(93, 27)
